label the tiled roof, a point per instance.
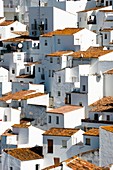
(31, 63)
(61, 132)
(107, 30)
(108, 128)
(66, 31)
(95, 48)
(17, 95)
(25, 154)
(32, 96)
(106, 10)
(102, 108)
(104, 101)
(108, 72)
(64, 109)
(23, 125)
(21, 32)
(6, 23)
(92, 132)
(59, 53)
(76, 163)
(26, 76)
(79, 164)
(90, 54)
(92, 9)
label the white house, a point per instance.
(57, 143)
(101, 113)
(22, 158)
(67, 116)
(74, 163)
(105, 153)
(7, 29)
(22, 136)
(8, 117)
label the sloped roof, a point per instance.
(108, 128)
(22, 125)
(59, 53)
(6, 23)
(64, 109)
(90, 54)
(61, 132)
(92, 9)
(76, 163)
(108, 72)
(25, 154)
(66, 31)
(92, 132)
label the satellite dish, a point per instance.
(19, 45)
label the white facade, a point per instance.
(7, 31)
(106, 154)
(1, 9)
(58, 150)
(108, 78)
(68, 119)
(8, 117)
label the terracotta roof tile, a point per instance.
(31, 63)
(92, 9)
(17, 95)
(108, 128)
(66, 31)
(64, 109)
(61, 132)
(59, 53)
(23, 125)
(106, 10)
(104, 101)
(108, 72)
(90, 54)
(76, 163)
(6, 23)
(25, 154)
(107, 30)
(26, 76)
(92, 132)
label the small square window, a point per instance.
(57, 119)
(58, 41)
(13, 71)
(51, 60)
(49, 119)
(59, 93)
(27, 69)
(12, 28)
(105, 36)
(88, 141)
(83, 88)
(64, 143)
(58, 60)
(45, 42)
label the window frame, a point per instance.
(64, 143)
(88, 141)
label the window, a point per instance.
(49, 119)
(56, 161)
(96, 116)
(83, 88)
(5, 118)
(59, 94)
(49, 73)
(51, 60)
(89, 161)
(37, 167)
(64, 144)
(13, 71)
(106, 3)
(18, 57)
(105, 36)
(59, 79)
(87, 141)
(27, 69)
(50, 146)
(53, 73)
(45, 42)
(108, 117)
(57, 119)
(58, 41)
(80, 103)
(80, 19)
(46, 26)
(110, 2)
(58, 60)
(11, 168)
(38, 69)
(12, 29)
